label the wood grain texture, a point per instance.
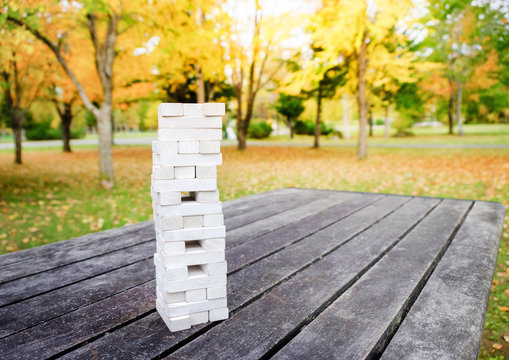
(286, 308)
(447, 319)
(358, 323)
(243, 286)
(312, 274)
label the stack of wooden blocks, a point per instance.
(188, 216)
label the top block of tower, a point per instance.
(178, 109)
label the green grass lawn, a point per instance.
(55, 196)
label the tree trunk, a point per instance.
(242, 140)
(458, 107)
(386, 123)
(66, 119)
(318, 126)
(362, 152)
(105, 146)
(241, 136)
(18, 131)
(450, 108)
(345, 118)
(370, 117)
(291, 125)
(200, 84)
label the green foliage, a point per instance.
(259, 130)
(307, 127)
(90, 120)
(42, 130)
(410, 106)
(289, 106)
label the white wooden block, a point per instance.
(193, 109)
(213, 220)
(174, 248)
(174, 324)
(188, 208)
(181, 309)
(172, 274)
(189, 147)
(213, 244)
(170, 197)
(185, 172)
(189, 134)
(199, 317)
(214, 269)
(196, 295)
(214, 109)
(163, 172)
(184, 185)
(206, 172)
(191, 122)
(168, 147)
(155, 147)
(188, 259)
(170, 298)
(155, 159)
(210, 147)
(205, 196)
(190, 159)
(194, 234)
(218, 314)
(172, 223)
(216, 292)
(194, 283)
(170, 109)
(195, 221)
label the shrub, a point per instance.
(259, 130)
(336, 134)
(307, 127)
(43, 131)
(379, 122)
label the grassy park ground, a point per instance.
(55, 196)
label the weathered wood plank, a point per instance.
(247, 253)
(20, 315)
(447, 319)
(32, 285)
(261, 227)
(247, 202)
(148, 336)
(286, 307)
(358, 324)
(277, 204)
(65, 252)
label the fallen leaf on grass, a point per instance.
(506, 338)
(506, 292)
(495, 282)
(497, 346)
(504, 308)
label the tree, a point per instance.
(363, 27)
(103, 22)
(23, 72)
(290, 107)
(190, 64)
(460, 37)
(253, 47)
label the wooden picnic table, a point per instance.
(311, 274)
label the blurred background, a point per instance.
(408, 97)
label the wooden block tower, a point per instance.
(188, 216)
